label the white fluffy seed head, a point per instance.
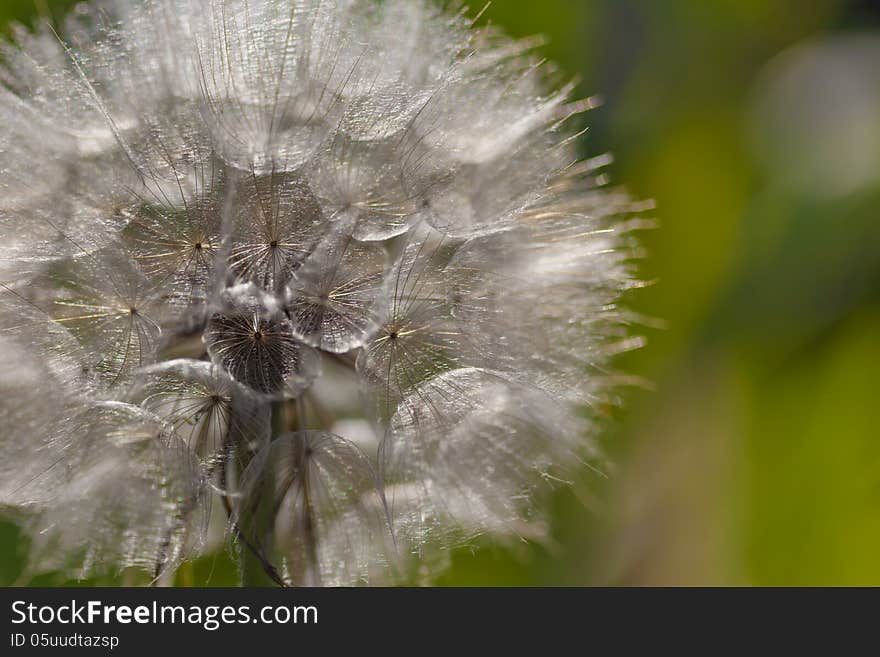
(206, 206)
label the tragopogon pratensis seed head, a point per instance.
(335, 264)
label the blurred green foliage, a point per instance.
(754, 457)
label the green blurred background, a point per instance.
(752, 456)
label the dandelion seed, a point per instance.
(261, 352)
(208, 410)
(472, 437)
(176, 239)
(325, 515)
(275, 227)
(131, 496)
(108, 304)
(333, 300)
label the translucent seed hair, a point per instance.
(332, 273)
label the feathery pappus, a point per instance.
(329, 273)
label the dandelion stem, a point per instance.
(311, 574)
(256, 569)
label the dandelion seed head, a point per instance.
(249, 226)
